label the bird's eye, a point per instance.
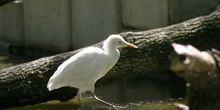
(119, 42)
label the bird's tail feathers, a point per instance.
(50, 86)
(53, 84)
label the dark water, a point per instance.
(155, 92)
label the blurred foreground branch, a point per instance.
(201, 72)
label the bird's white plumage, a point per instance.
(82, 70)
(86, 67)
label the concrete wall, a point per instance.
(11, 24)
(48, 24)
(61, 25)
(94, 20)
(144, 14)
(182, 10)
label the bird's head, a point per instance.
(118, 41)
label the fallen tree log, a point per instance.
(26, 83)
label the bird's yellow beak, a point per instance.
(130, 45)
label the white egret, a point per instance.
(84, 68)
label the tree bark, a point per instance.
(26, 83)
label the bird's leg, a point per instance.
(106, 103)
(100, 100)
(79, 100)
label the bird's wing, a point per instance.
(79, 69)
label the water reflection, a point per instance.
(155, 92)
(145, 88)
(144, 93)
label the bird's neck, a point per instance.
(110, 49)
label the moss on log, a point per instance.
(26, 83)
